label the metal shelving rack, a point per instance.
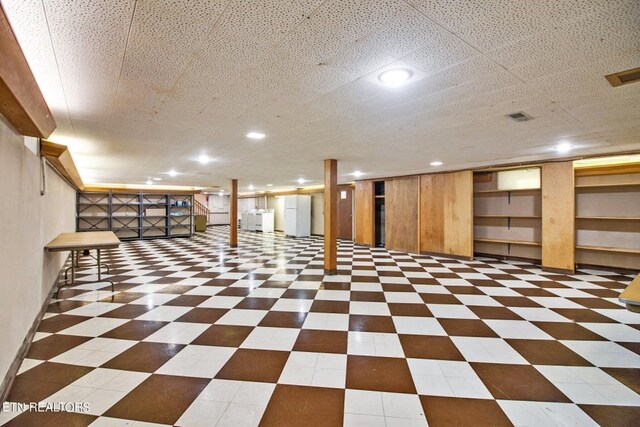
(125, 213)
(180, 216)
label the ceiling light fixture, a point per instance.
(173, 173)
(269, 185)
(301, 181)
(563, 147)
(396, 77)
(436, 163)
(256, 135)
(157, 179)
(357, 174)
(149, 182)
(204, 159)
(251, 187)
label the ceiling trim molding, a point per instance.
(21, 102)
(60, 159)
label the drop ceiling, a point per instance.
(139, 88)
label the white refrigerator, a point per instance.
(297, 216)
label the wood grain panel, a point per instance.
(458, 214)
(446, 213)
(233, 214)
(432, 213)
(402, 214)
(330, 216)
(364, 213)
(21, 101)
(60, 158)
(345, 212)
(558, 216)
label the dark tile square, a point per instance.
(467, 328)
(202, 315)
(379, 374)
(321, 341)
(254, 365)
(462, 412)
(144, 357)
(159, 399)
(135, 330)
(223, 335)
(429, 347)
(323, 306)
(283, 319)
(292, 405)
(413, 310)
(364, 323)
(517, 382)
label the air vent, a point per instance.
(520, 117)
(624, 77)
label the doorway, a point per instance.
(345, 212)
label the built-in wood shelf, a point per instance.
(518, 190)
(609, 184)
(509, 216)
(611, 218)
(607, 249)
(379, 197)
(511, 242)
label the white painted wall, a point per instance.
(28, 221)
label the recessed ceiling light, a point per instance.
(173, 173)
(301, 181)
(436, 163)
(204, 159)
(269, 185)
(357, 174)
(396, 77)
(149, 182)
(563, 147)
(256, 135)
(251, 187)
(157, 179)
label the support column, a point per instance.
(330, 216)
(233, 214)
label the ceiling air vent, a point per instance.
(624, 77)
(520, 117)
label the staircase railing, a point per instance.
(200, 209)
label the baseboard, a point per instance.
(558, 270)
(509, 257)
(441, 255)
(7, 382)
(620, 270)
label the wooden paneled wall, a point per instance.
(558, 216)
(402, 214)
(446, 213)
(364, 211)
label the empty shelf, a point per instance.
(512, 242)
(608, 249)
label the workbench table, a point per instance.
(80, 241)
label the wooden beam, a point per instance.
(330, 216)
(21, 102)
(60, 159)
(233, 214)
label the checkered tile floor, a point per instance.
(198, 334)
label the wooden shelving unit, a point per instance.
(608, 218)
(506, 222)
(134, 216)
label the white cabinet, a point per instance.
(257, 221)
(297, 215)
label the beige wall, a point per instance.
(28, 221)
